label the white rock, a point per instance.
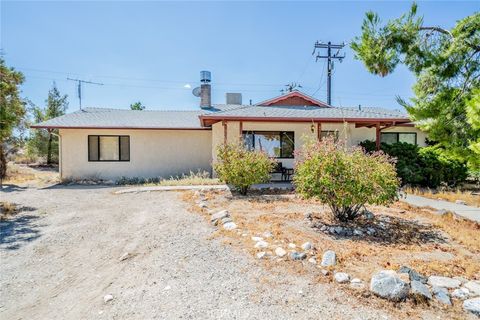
(388, 285)
(261, 244)
(219, 215)
(444, 282)
(202, 204)
(229, 226)
(267, 234)
(280, 252)
(461, 294)
(460, 202)
(420, 290)
(341, 277)
(472, 305)
(441, 294)
(107, 298)
(356, 283)
(307, 246)
(312, 260)
(358, 232)
(256, 239)
(474, 287)
(167, 288)
(329, 258)
(261, 255)
(292, 245)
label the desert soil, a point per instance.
(61, 254)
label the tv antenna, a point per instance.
(329, 46)
(293, 86)
(79, 86)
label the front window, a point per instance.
(277, 144)
(394, 137)
(332, 133)
(108, 148)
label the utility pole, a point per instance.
(79, 86)
(329, 46)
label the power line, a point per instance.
(320, 83)
(336, 56)
(143, 79)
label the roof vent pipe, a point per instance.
(205, 90)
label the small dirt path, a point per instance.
(61, 255)
(469, 212)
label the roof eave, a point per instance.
(117, 127)
(209, 120)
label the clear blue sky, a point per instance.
(149, 51)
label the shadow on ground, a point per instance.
(383, 230)
(19, 229)
(79, 186)
(12, 188)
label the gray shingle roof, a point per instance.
(157, 119)
(118, 118)
(307, 112)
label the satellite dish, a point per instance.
(196, 92)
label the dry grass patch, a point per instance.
(440, 245)
(7, 209)
(470, 197)
(21, 174)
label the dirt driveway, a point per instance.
(61, 255)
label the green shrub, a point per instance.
(426, 167)
(242, 168)
(345, 178)
(441, 168)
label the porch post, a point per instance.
(241, 129)
(377, 135)
(224, 124)
(319, 131)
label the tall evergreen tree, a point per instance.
(446, 64)
(12, 111)
(45, 142)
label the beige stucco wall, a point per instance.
(347, 132)
(153, 153)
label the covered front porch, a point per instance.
(281, 139)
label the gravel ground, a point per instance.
(61, 255)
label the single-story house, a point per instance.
(101, 143)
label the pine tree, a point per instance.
(45, 142)
(446, 64)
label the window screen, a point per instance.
(277, 144)
(394, 137)
(125, 148)
(108, 148)
(92, 148)
(408, 138)
(389, 138)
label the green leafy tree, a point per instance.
(137, 106)
(45, 142)
(242, 168)
(346, 179)
(446, 64)
(12, 111)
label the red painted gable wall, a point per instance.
(293, 101)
